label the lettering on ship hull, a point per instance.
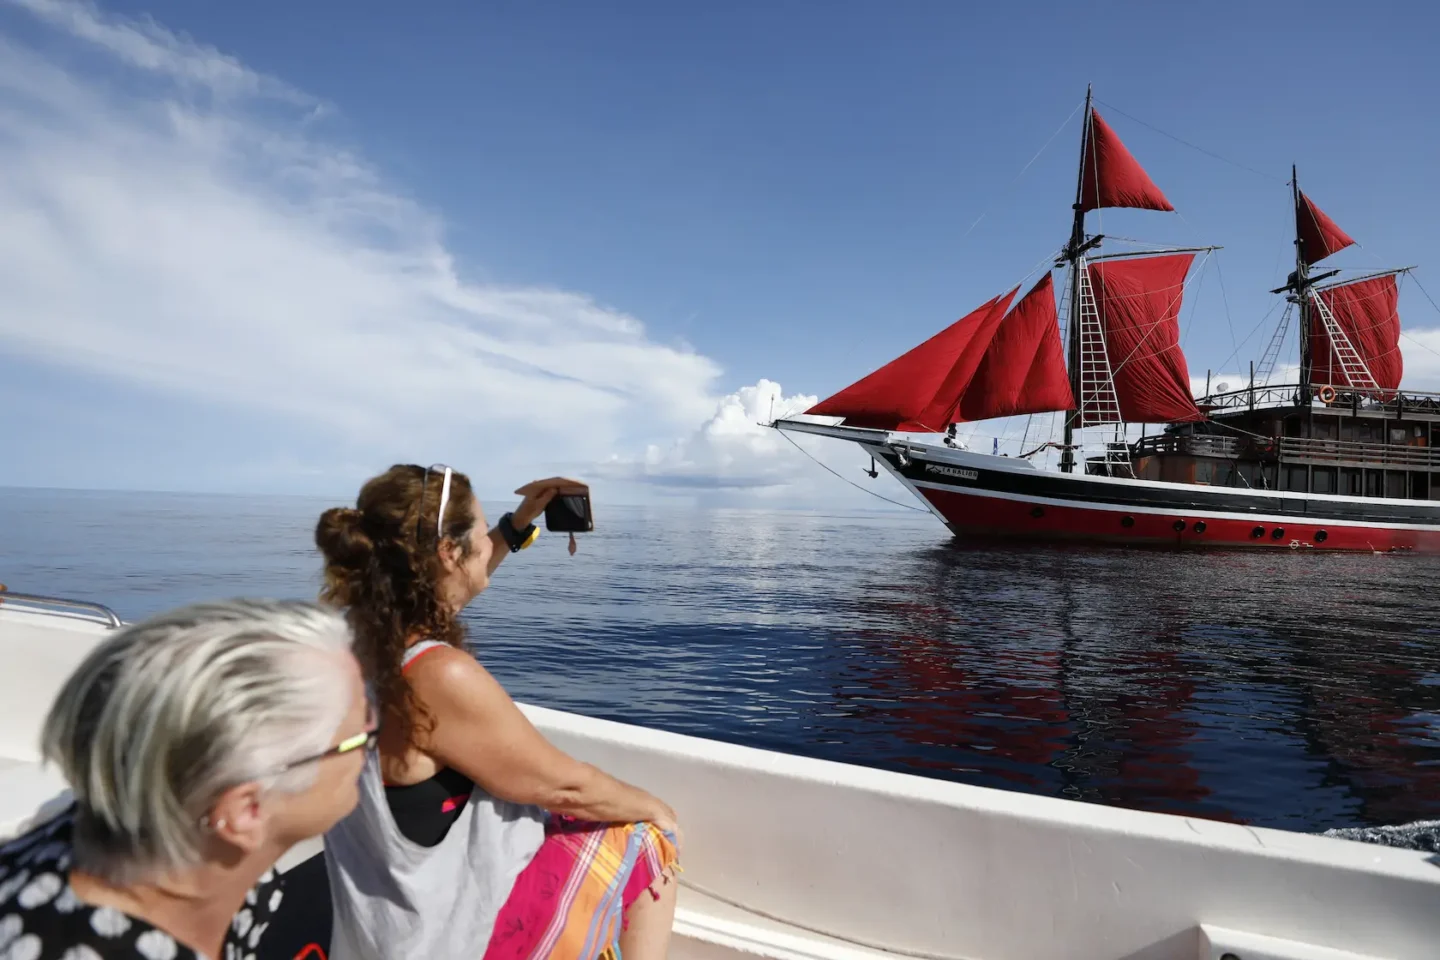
(959, 473)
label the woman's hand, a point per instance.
(538, 494)
(668, 824)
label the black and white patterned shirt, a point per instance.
(41, 918)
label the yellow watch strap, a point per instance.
(534, 535)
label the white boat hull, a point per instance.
(791, 857)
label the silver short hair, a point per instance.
(167, 714)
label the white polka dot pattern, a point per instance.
(26, 948)
(109, 922)
(156, 945)
(39, 891)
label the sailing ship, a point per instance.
(1342, 459)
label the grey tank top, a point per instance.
(395, 898)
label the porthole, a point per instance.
(1321, 536)
(1127, 521)
(1037, 512)
(1199, 526)
(1179, 526)
(1278, 533)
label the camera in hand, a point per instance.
(569, 513)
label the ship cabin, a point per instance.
(1263, 438)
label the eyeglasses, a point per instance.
(444, 502)
(366, 739)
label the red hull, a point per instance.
(976, 514)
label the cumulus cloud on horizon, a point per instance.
(191, 228)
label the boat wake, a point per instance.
(1420, 835)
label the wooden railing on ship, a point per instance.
(1287, 394)
(1292, 449)
(1357, 452)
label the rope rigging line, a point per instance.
(1235, 355)
(852, 483)
(1219, 275)
(1407, 336)
(990, 209)
(1268, 176)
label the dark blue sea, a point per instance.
(1292, 690)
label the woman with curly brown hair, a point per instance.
(473, 831)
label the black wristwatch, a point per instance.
(517, 539)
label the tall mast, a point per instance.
(1302, 293)
(1073, 251)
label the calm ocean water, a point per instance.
(1294, 691)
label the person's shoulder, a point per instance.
(42, 851)
(449, 673)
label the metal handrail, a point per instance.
(111, 617)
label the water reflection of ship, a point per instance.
(1378, 723)
(1008, 704)
(1061, 701)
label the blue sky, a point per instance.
(276, 246)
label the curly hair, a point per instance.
(382, 565)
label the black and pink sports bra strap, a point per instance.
(417, 650)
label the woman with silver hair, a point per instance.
(199, 745)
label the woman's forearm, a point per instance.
(600, 797)
(500, 548)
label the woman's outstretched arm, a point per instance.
(479, 731)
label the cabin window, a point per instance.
(1368, 431)
(1420, 486)
(1374, 483)
(1296, 478)
(1395, 484)
(1347, 430)
(1352, 484)
(1397, 434)
(1323, 480)
(1326, 429)
(1292, 427)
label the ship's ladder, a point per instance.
(1266, 368)
(1352, 365)
(1098, 400)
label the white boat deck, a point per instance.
(793, 858)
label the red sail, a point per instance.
(1024, 369)
(944, 409)
(1139, 305)
(1319, 236)
(1368, 312)
(1111, 177)
(895, 396)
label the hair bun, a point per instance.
(341, 537)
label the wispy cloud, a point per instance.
(224, 248)
(147, 46)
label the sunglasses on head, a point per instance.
(444, 501)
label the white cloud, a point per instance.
(1421, 349)
(730, 450)
(222, 249)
